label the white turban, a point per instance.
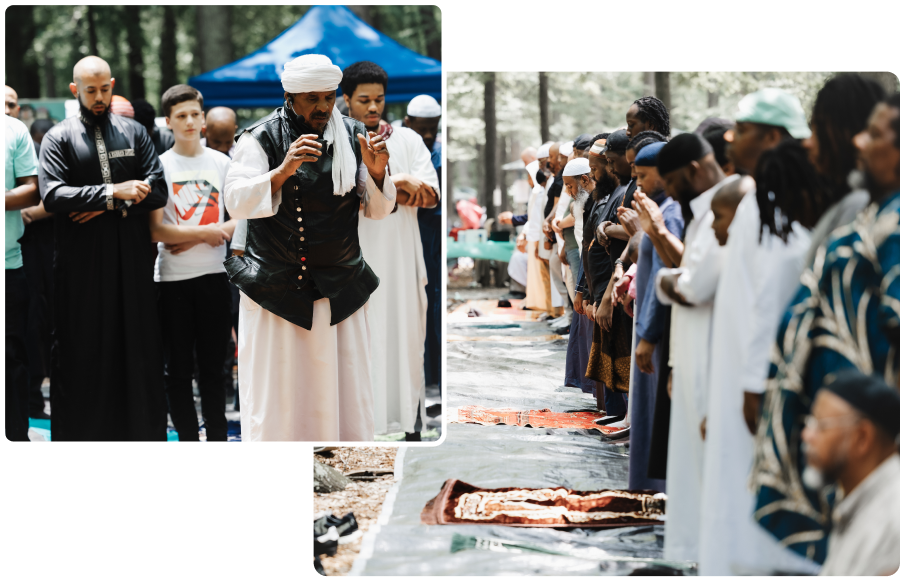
(544, 150)
(566, 148)
(532, 170)
(423, 106)
(316, 73)
(577, 167)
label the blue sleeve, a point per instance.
(519, 219)
(650, 322)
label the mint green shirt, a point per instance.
(20, 161)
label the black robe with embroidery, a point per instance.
(107, 359)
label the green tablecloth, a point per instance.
(490, 250)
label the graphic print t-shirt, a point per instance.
(196, 198)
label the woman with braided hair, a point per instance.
(647, 113)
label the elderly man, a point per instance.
(221, 124)
(101, 176)
(851, 439)
(303, 175)
(399, 307)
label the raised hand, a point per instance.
(304, 149)
(375, 155)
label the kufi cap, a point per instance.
(544, 150)
(566, 148)
(121, 106)
(775, 107)
(423, 106)
(871, 396)
(532, 169)
(310, 73)
(681, 151)
(617, 141)
(582, 141)
(649, 155)
(577, 167)
(599, 147)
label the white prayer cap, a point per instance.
(577, 167)
(566, 148)
(423, 106)
(532, 170)
(310, 73)
(544, 150)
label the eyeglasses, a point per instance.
(826, 423)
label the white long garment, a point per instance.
(535, 213)
(299, 385)
(398, 307)
(755, 285)
(689, 357)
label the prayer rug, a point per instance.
(489, 308)
(462, 503)
(506, 338)
(540, 419)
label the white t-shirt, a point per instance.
(196, 197)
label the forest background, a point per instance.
(493, 116)
(151, 48)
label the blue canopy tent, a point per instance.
(255, 80)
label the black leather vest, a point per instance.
(309, 249)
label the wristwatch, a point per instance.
(620, 263)
(110, 203)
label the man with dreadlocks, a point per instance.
(785, 507)
(647, 113)
(760, 274)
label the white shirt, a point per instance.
(533, 229)
(195, 186)
(865, 539)
(248, 186)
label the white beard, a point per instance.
(813, 478)
(580, 199)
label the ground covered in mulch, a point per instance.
(362, 498)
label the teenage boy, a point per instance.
(194, 298)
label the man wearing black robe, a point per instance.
(100, 173)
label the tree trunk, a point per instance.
(887, 79)
(432, 32)
(490, 142)
(167, 48)
(135, 42)
(364, 13)
(501, 174)
(92, 32)
(544, 103)
(49, 76)
(22, 70)
(649, 84)
(214, 43)
(661, 80)
(327, 479)
(712, 99)
(448, 185)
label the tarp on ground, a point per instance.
(255, 80)
(488, 250)
(515, 374)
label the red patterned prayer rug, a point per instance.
(462, 503)
(542, 419)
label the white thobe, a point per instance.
(398, 307)
(865, 539)
(756, 282)
(689, 357)
(299, 385)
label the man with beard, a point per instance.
(398, 309)
(757, 280)
(610, 357)
(101, 177)
(851, 439)
(303, 175)
(579, 185)
(693, 177)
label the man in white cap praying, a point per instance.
(302, 176)
(399, 307)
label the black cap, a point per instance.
(617, 141)
(871, 396)
(582, 141)
(681, 151)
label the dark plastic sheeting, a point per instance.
(519, 375)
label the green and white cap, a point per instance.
(775, 107)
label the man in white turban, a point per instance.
(302, 176)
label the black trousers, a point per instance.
(37, 252)
(196, 314)
(16, 358)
